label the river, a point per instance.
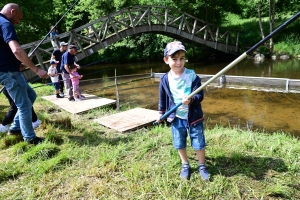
(256, 110)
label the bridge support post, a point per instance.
(40, 60)
(223, 80)
(166, 18)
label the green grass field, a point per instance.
(83, 160)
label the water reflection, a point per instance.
(269, 111)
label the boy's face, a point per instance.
(176, 62)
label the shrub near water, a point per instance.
(84, 160)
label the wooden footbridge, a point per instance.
(132, 21)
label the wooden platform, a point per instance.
(76, 107)
(129, 120)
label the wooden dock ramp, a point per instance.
(129, 120)
(76, 107)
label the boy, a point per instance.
(52, 72)
(174, 87)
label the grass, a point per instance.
(83, 160)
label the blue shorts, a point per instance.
(179, 134)
(56, 85)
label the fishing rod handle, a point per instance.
(167, 113)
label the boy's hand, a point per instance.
(186, 101)
(158, 120)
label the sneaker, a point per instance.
(185, 171)
(4, 129)
(71, 98)
(36, 124)
(82, 97)
(58, 96)
(62, 94)
(204, 172)
(36, 140)
(14, 132)
(78, 99)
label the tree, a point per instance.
(271, 22)
(36, 22)
(271, 4)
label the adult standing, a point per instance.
(11, 56)
(56, 55)
(68, 59)
(10, 115)
(53, 34)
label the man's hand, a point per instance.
(42, 73)
(22, 67)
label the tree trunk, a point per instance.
(271, 19)
(259, 20)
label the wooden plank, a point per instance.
(76, 107)
(129, 120)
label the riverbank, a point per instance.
(82, 159)
(285, 43)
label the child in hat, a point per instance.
(174, 88)
(52, 72)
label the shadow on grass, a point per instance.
(9, 174)
(254, 167)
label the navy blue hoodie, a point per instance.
(166, 101)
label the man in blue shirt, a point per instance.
(68, 59)
(11, 57)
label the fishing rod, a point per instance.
(54, 26)
(1, 90)
(233, 63)
(98, 71)
(30, 54)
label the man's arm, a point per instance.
(67, 68)
(22, 56)
(53, 55)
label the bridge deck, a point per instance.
(129, 120)
(76, 107)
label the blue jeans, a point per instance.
(179, 134)
(23, 96)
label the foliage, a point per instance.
(37, 18)
(212, 11)
(290, 46)
(39, 15)
(286, 7)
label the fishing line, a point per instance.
(30, 53)
(71, 78)
(119, 84)
(101, 61)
